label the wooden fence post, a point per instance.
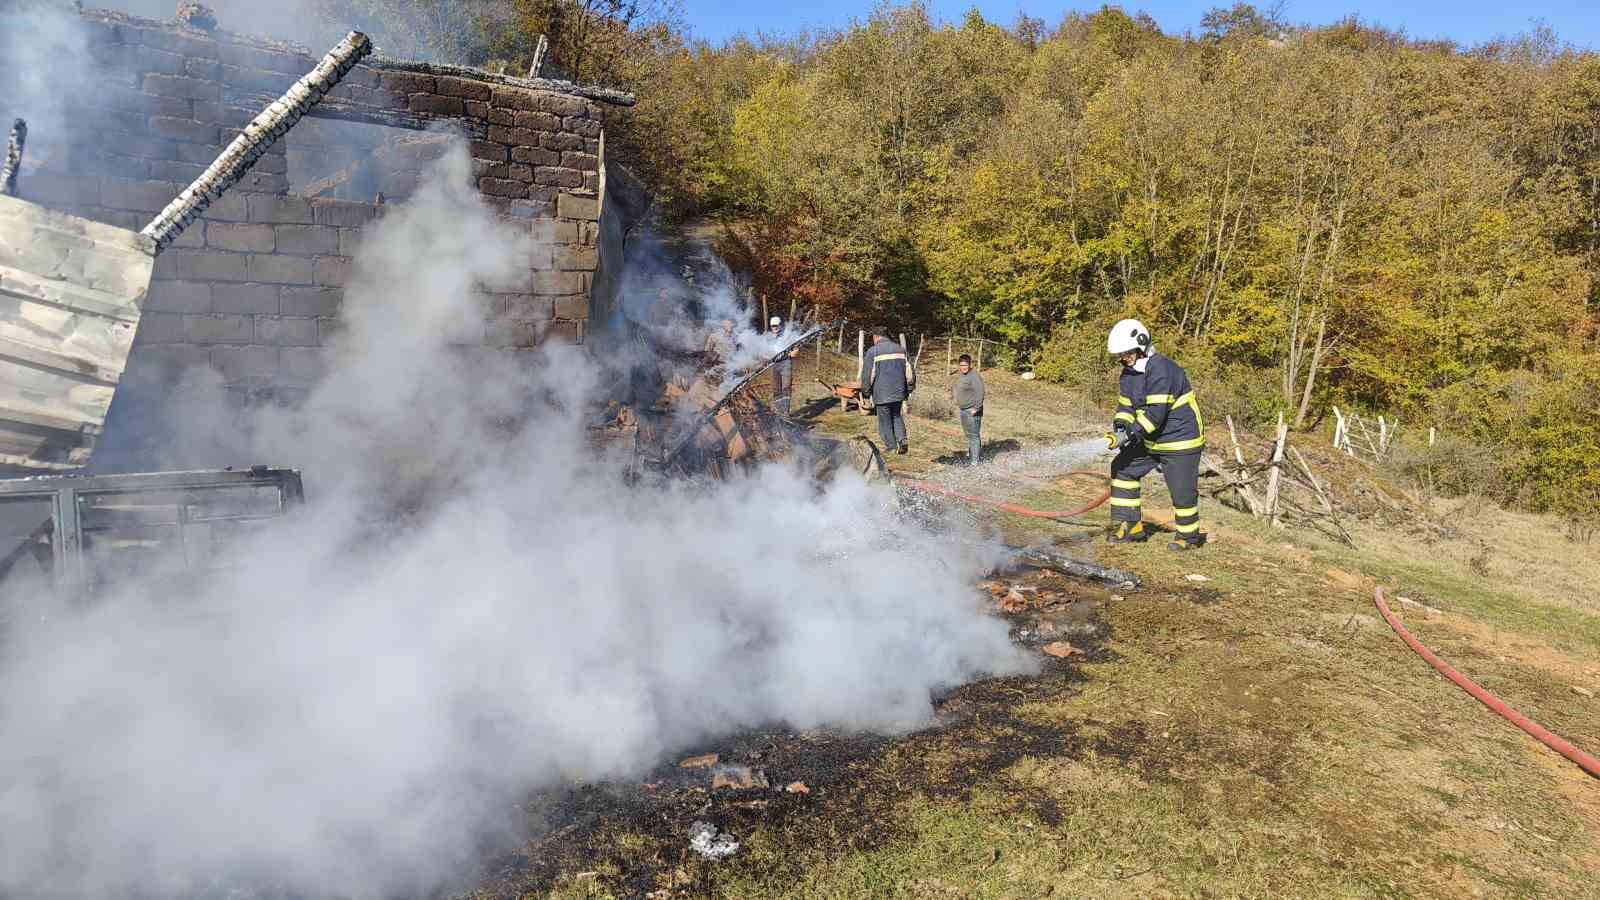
(794, 303)
(841, 337)
(948, 343)
(1272, 476)
(1238, 457)
(978, 363)
(861, 349)
(764, 317)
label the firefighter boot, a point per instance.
(1128, 533)
(1188, 542)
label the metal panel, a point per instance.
(71, 293)
(87, 532)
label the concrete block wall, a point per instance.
(254, 290)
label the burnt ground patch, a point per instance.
(631, 838)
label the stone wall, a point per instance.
(254, 290)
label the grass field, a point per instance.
(1261, 733)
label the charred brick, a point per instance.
(437, 105)
(535, 156)
(464, 88)
(539, 121)
(502, 187)
(558, 177)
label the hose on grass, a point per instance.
(1549, 739)
(1009, 507)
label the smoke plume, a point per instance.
(471, 606)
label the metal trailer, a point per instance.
(75, 535)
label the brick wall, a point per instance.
(254, 290)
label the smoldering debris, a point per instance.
(468, 608)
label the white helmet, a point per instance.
(775, 321)
(1129, 334)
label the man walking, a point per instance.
(968, 395)
(887, 378)
(1157, 426)
(782, 371)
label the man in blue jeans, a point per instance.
(887, 378)
(968, 395)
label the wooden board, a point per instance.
(71, 293)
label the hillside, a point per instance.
(1243, 725)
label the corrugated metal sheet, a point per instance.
(71, 292)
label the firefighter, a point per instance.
(1157, 426)
(887, 378)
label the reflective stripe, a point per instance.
(1123, 417)
(1191, 511)
(1125, 484)
(1124, 401)
(883, 356)
(1175, 446)
(1185, 400)
(1187, 529)
(1124, 501)
(1148, 425)
(1158, 398)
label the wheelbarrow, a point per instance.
(72, 290)
(848, 392)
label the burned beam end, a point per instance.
(13, 160)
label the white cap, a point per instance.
(775, 321)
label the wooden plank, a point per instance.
(14, 350)
(71, 295)
(20, 285)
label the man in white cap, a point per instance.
(783, 372)
(1157, 426)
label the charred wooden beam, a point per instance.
(1055, 560)
(556, 85)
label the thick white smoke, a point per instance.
(35, 35)
(469, 607)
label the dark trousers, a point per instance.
(972, 423)
(782, 389)
(891, 424)
(1182, 472)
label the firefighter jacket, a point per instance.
(1157, 406)
(886, 374)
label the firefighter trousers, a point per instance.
(1182, 472)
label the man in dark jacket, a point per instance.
(1157, 426)
(967, 392)
(887, 378)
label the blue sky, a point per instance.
(1465, 21)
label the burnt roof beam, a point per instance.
(555, 85)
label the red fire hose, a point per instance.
(1012, 507)
(1554, 742)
